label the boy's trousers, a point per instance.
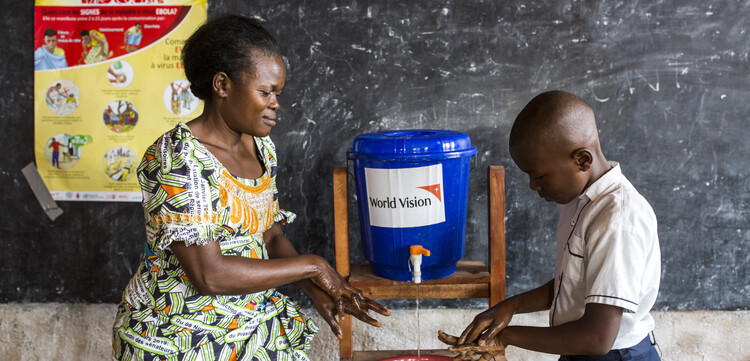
(643, 351)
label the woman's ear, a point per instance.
(583, 158)
(220, 84)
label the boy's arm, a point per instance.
(593, 334)
(497, 317)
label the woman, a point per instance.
(216, 251)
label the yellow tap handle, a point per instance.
(418, 249)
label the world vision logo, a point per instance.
(407, 202)
(405, 197)
(434, 189)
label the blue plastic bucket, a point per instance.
(412, 188)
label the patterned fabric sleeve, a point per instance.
(268, 151)
(176, 177)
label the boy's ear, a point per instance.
(583, 158)
(220, 84)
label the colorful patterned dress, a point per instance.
(188, 196)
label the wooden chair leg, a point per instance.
(496, 243)
(341, 240)
(346, 348)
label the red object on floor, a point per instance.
(419, 358)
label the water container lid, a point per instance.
(418, 144)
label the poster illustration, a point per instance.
(108, 80)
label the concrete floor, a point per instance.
(53, 331)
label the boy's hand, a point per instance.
(472, 351)
(487, 324)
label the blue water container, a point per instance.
(412, 189)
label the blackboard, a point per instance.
(668, 81)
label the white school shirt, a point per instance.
(608, 253)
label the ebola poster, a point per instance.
(108, 80)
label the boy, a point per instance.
(608, 263)
(132, 37)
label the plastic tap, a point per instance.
(415, 259)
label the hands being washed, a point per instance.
(361, 309)
(357, 306)
(346, 298)
(472, 351)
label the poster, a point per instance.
(108, 80)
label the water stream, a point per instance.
(419, 329)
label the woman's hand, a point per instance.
(326, 307)
(362, 313)
(337, 288)
(332, 294)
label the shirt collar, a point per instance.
(604, 182)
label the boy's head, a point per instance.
(554, 140)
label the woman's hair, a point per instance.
(225, 43)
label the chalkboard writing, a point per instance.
(667, 79)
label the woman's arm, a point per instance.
(326, 277)
(278, 246)
(212, 273)
(326, 303)
(351, 300)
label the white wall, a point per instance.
(53, 331)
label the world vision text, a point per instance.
(405, 202)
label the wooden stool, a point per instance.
(471, 280)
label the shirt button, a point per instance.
(572, 223)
